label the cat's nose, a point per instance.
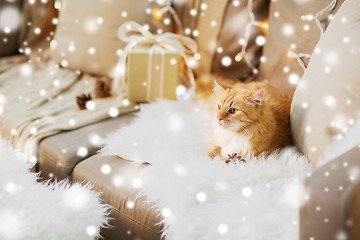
(219, 119)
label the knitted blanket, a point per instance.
(39, 101)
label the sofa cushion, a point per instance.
(37, 15)
(327, 97)
(59, 154)
(86, 37)
(327, 213)
(115, 178)
(287, 32)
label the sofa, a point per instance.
(58, 154)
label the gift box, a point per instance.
(152, 72)
(153, 66)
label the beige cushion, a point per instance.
(327, 97)
(201, 23)
(286, 29)
(230, 20)
(41, 15)
(86, 35)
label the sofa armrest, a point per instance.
(329, 194)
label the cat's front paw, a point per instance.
(235, 158)
(214, 151)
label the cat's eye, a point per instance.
(219, 107)
(232, 110)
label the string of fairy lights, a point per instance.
(247, 34)
(300, 56)
(158, 13)
(264, 26)
(316, 17)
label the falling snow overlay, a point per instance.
(200, 198)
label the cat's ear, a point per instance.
(257, 98)
(217, 88)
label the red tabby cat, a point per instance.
(251, 119)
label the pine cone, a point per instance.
(82, 100)
(235, 158)
(102, 88)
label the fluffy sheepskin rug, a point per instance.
(200, 198)
(34, 211)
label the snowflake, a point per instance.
(246, 192)
(223, 229)
(201, 196)
(166, 212)
(105, 169)
(82, 151)
(137, 183)
(91, 230)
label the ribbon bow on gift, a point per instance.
(134, 34)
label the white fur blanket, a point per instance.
(201, 198)
(34, 211)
